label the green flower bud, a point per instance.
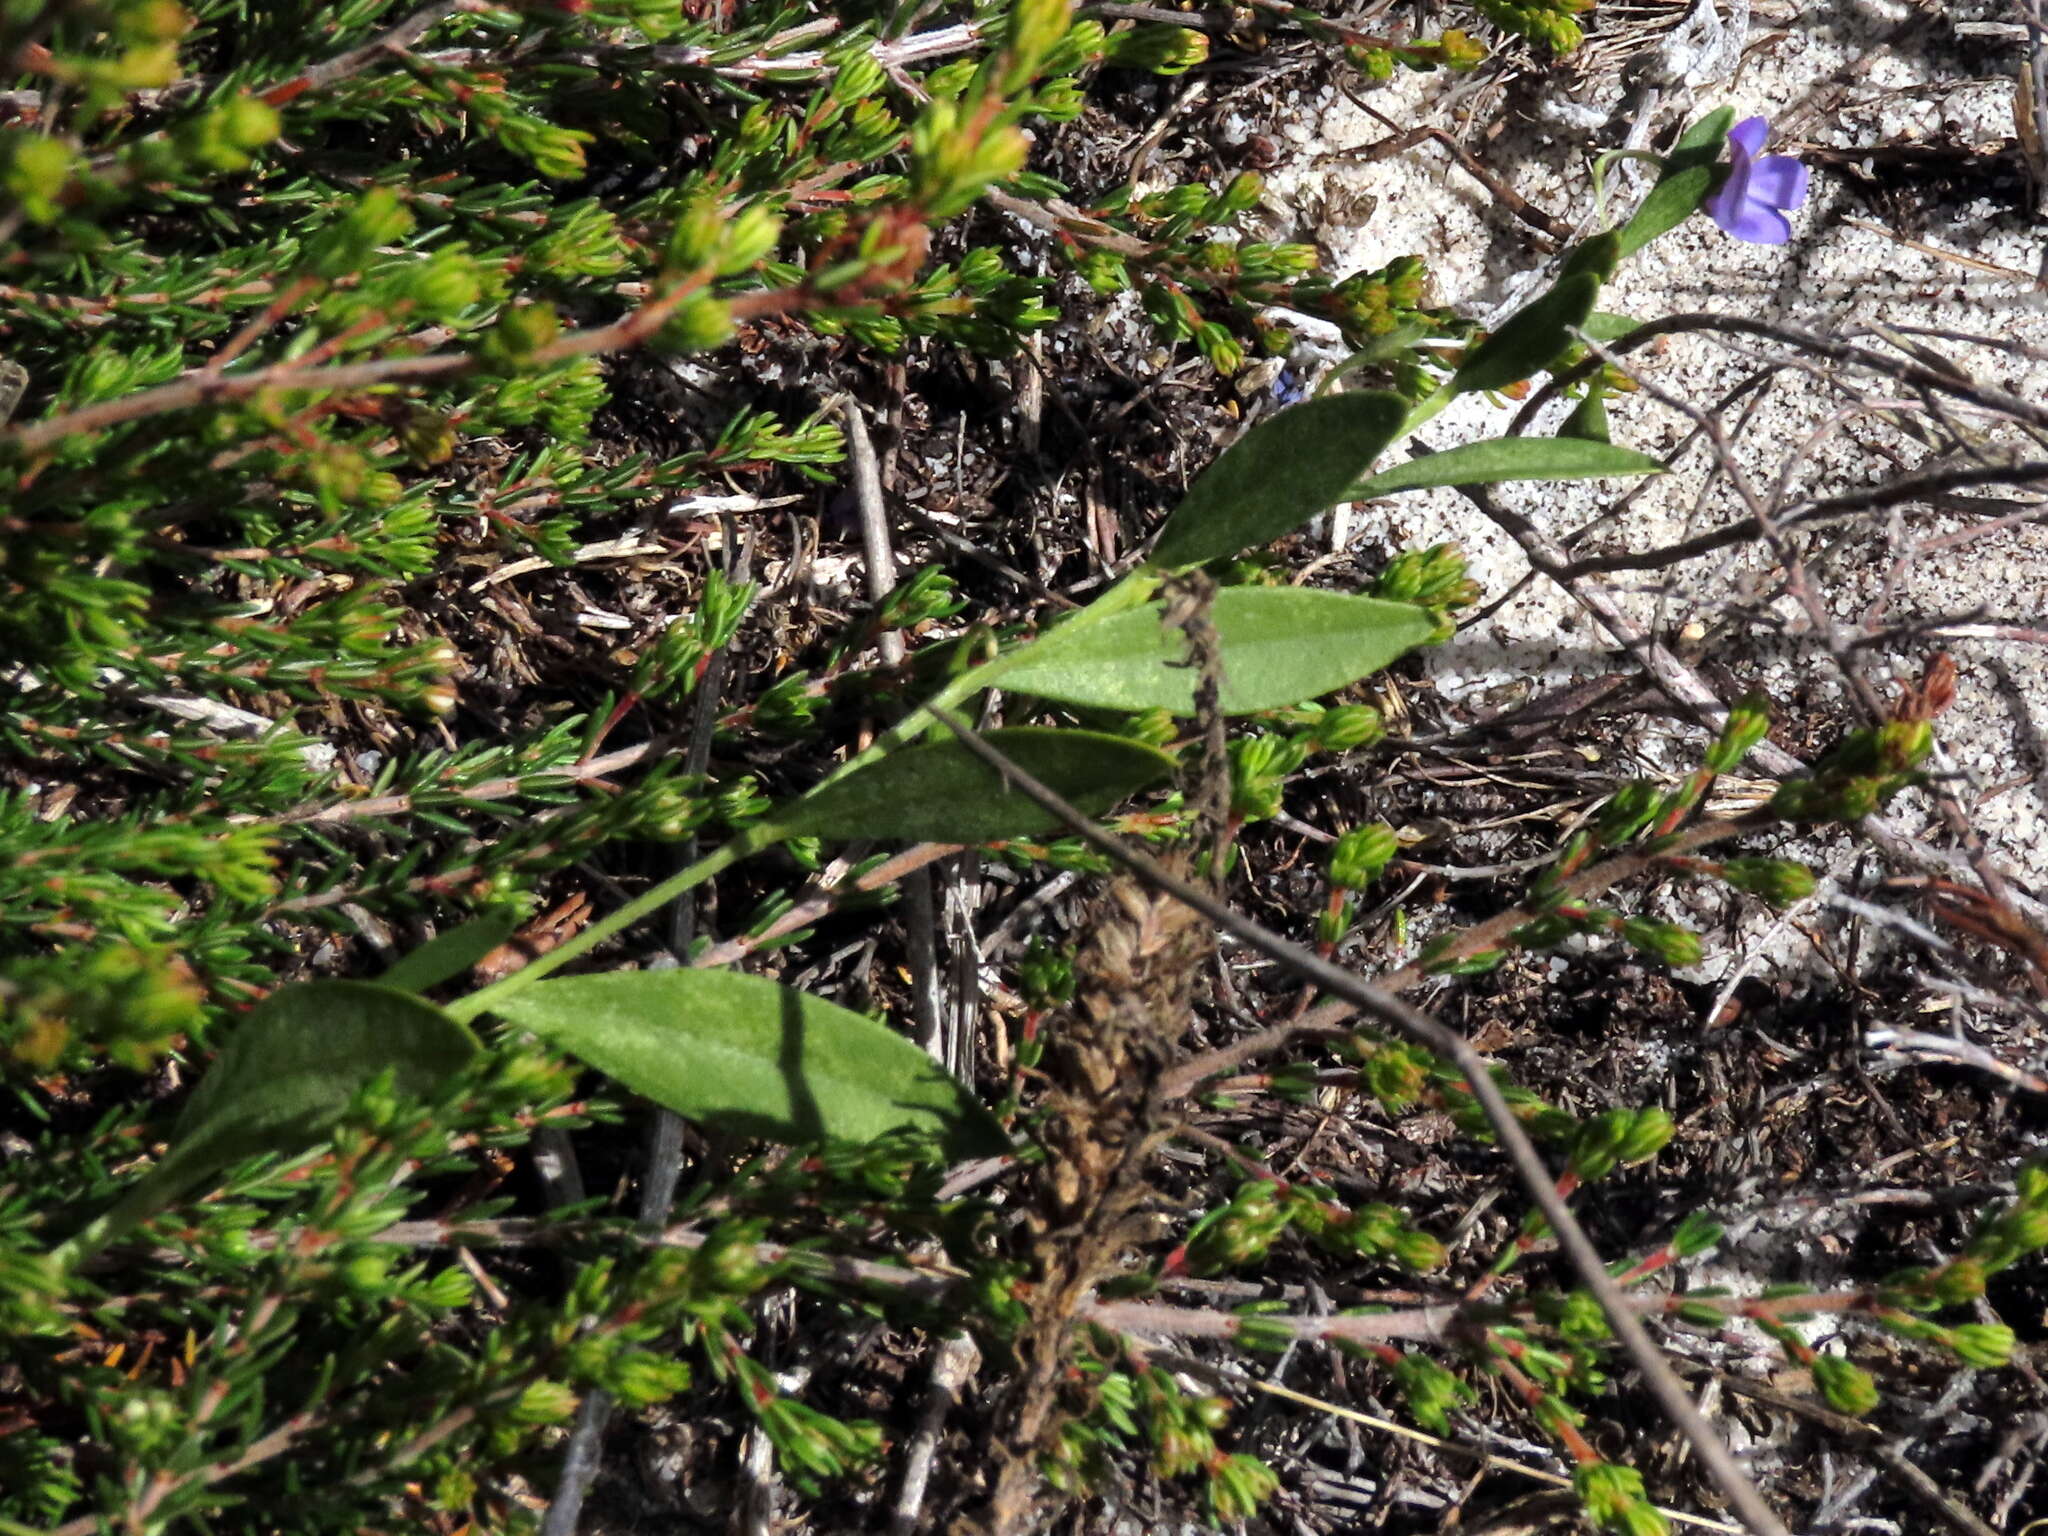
(1668, 942)
(699, 234)
(1396, 1076)
(2033, 1184)
(2026, 1227)
(1333, 924)
(1581, 1320)
(1648, 1135)
(1631, 809)
(1845, 1387)
(248, 123)
(1780, 882)
(1219, 347)
(1749, 722)
(544, 1402)
(1359, 856)
(701, 324)
(1346, 727)
(1986, 1346)
(1458, 51)
(1419, 1251)
(643, 1379)
(1238, 1486)
(749, 239)
(1104, 271)
(1045, 977)
(152, 21)
(38, 169)
(344, 247)
(1160, 49)
(1599, 1143)
(1957, 1283)
(1902, 745)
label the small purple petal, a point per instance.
(1758, 225)
(1748, 136)
(1726, 205)
(1778, 181)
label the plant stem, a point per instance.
(1132, 591)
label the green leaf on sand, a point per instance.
(1509, 458)
(1280, 646)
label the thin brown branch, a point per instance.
(1431, 1033)
(208, 389)
(1329, 1016)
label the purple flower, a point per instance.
(1760, 189)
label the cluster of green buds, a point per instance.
(1158, 50)
(1430, 1390)
(1188, 273)
(1242, 1232)
(1356, 860)
(1382, 314)
(812, 1446)
(109, 49)
(676, 661)
(1455, 50)
(1553, 23)
(128, 1002)
(1400, 1076)
(1260, 765)
(1619, 1138)
(1150, 1408)
(1669, 943)
(1902, 1305)
(1614, 1501)
(1432, 578)
(1861, 775)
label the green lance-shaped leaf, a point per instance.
(1688, 179)
(1602, 325)
(451, 953)
(942, 793)
(1509, 458)
(1280, 646)
(1279, 475)
(1531, 338)
(746, 1055)
(288, 1072)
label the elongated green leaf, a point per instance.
(1280, 646)
(1509, 458)
(1531, 338)
(1603, 326)
(287, 1073)
(1596, 256)
(1588, 420)
(1690, 173)
(1279, 475)
(745, 1055)
(451, 953)
(942, 793)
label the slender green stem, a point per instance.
(751, 841)
(1133, 590)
